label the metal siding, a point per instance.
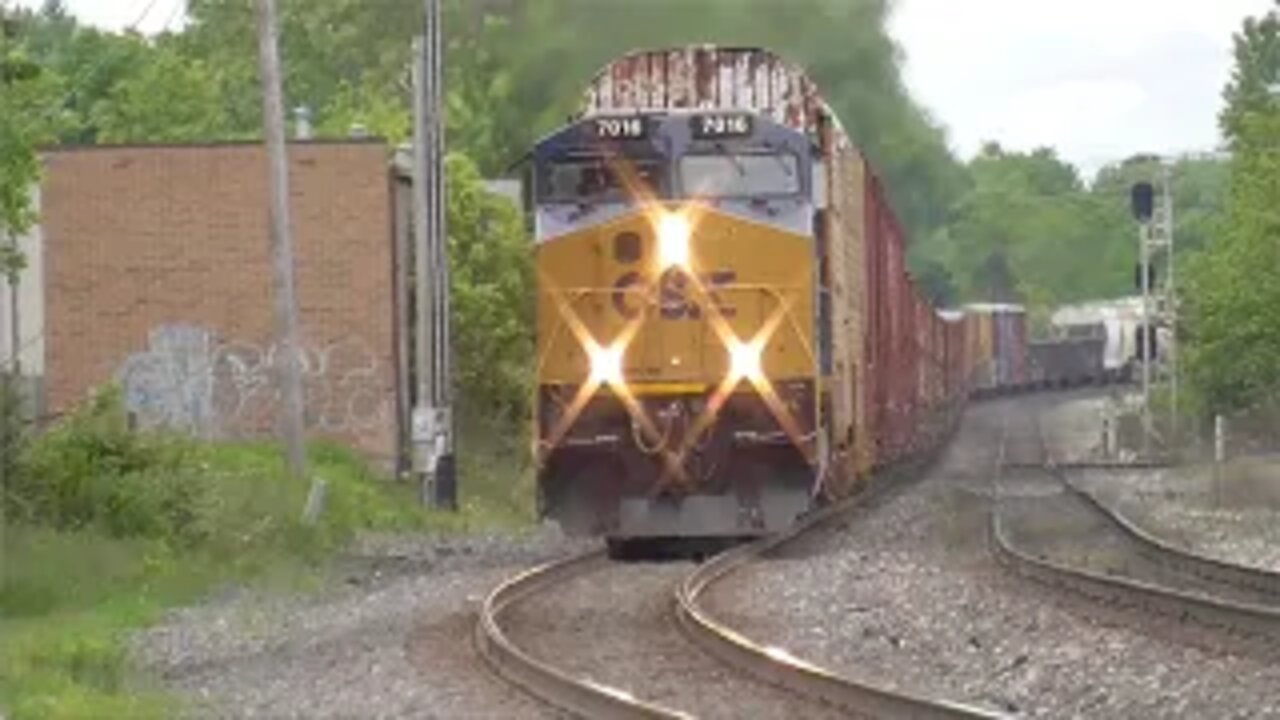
(846, 234)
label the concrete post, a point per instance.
(1108, 432)
(1219, 455)
(1219, 439)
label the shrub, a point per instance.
(92, 469)
(11, 428)
(92, 472)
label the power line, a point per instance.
(146, 11)
(173, 14)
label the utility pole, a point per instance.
(288, 367)
(11, 400)
(432, 424)
(15, 316)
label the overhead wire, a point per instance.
(173, 14)
(145, 12)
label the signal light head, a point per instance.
(673, 241)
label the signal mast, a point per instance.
(1159, 299)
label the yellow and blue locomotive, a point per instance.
(676, 361)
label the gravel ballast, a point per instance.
(617, 627)
(390, 636)
(906, 594)
(1232, 514)
(1189, 508)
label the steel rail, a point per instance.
(1179, 559)
(580, 696)
(1246, 619)
(587, 698)
(778, 667)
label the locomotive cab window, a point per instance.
(597, 180)
(740, 175)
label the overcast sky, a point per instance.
(1096, 79)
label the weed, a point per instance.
(107, 527)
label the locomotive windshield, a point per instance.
(740, 175)
(597, 179)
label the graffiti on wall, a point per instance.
(189, 379)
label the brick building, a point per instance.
(157, 273)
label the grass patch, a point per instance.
(106, 528)
(68, 599)
(497, 486)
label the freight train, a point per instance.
(727, 334)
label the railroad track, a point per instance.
(542, 679)
(777, 667)
(1157, 577)
(808, 684)
(1264, 585)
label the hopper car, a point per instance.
(1076, 357)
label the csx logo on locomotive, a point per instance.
(676, 297)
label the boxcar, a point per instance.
(998, 346)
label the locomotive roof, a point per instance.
(702, 77)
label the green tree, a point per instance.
(492, 304)
(86, 64)
(515, 70)
(169, 98)
(25, 94)
(1232, 337)
(1257, 57)
(1199, 186)
(24, 103)
(1029, 231)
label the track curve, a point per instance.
(776, 666)
(1230, 598)
(1264, 583)
(730, 646)
(580, 696)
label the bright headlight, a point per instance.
(606, 364)
(745, 360)
(673, 241)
